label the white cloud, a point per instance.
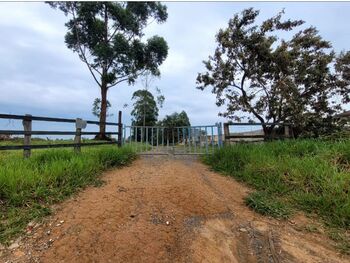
(176, 63)
(38, 73)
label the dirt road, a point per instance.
(165, 210)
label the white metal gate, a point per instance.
(156, 140)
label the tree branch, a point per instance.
(245, 97)
(81, 50)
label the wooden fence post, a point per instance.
(27, 126)
(286, 131)
(77, 138)
(120, 128)
(226, 131)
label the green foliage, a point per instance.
(29, 186)
(276, 80)
(310, 175)
(262, 203)
(342, 68)
(96, 108)
(145, 112)
(107, 36)
(173, 121)
(176, 120)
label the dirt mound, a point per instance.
(165, 210)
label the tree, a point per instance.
(274, 80)
(147, 79)
(107, 36)
(145, 111)
(172, 122)
(96, 108)
(176, 120)
(342, 68)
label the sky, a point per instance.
(39, 75)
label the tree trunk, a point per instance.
(268, 131)
(103, 113)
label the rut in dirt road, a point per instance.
(166, 210)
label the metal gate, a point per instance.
(156, 140)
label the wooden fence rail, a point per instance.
(245, 135)
(79, 124)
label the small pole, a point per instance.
(178, 135)
(219, 128)
(206, 139)
(226, 132)
(124, 135)
(189, 139)
(120, 128)
(212, 138)
(173, 133)
(286, 131)
(27, 126)
(157, 137)
(77, 138)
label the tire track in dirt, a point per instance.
(165, 210)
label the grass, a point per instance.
(29, 186)
(35, 141)
(262, 203)
(308, 175)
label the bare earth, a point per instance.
(166, 210)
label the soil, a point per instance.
(161, 209)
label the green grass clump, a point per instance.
(262, 203)
(29, 186)
(309, 175)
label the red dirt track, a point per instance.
(166, 210)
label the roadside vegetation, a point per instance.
(29, 186)
(308, 175)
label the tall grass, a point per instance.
(309, 175)
(29, 186)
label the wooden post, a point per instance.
(226, 132)
(286, 131)
(27, 126)
(77, 138)
(120, 128)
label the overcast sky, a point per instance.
(39, 75)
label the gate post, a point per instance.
(120, 126)
(226, 131)
(79, 125)
(219, 127)
(286, 131)
(27, 126)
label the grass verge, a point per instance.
(308, 175)
(29, 186)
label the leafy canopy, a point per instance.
(171, 123)
(145, 111)
(270, 79)
(175, 120)
(107, 37)
(96, 108)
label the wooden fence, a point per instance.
(258, 135)
(79, 124)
